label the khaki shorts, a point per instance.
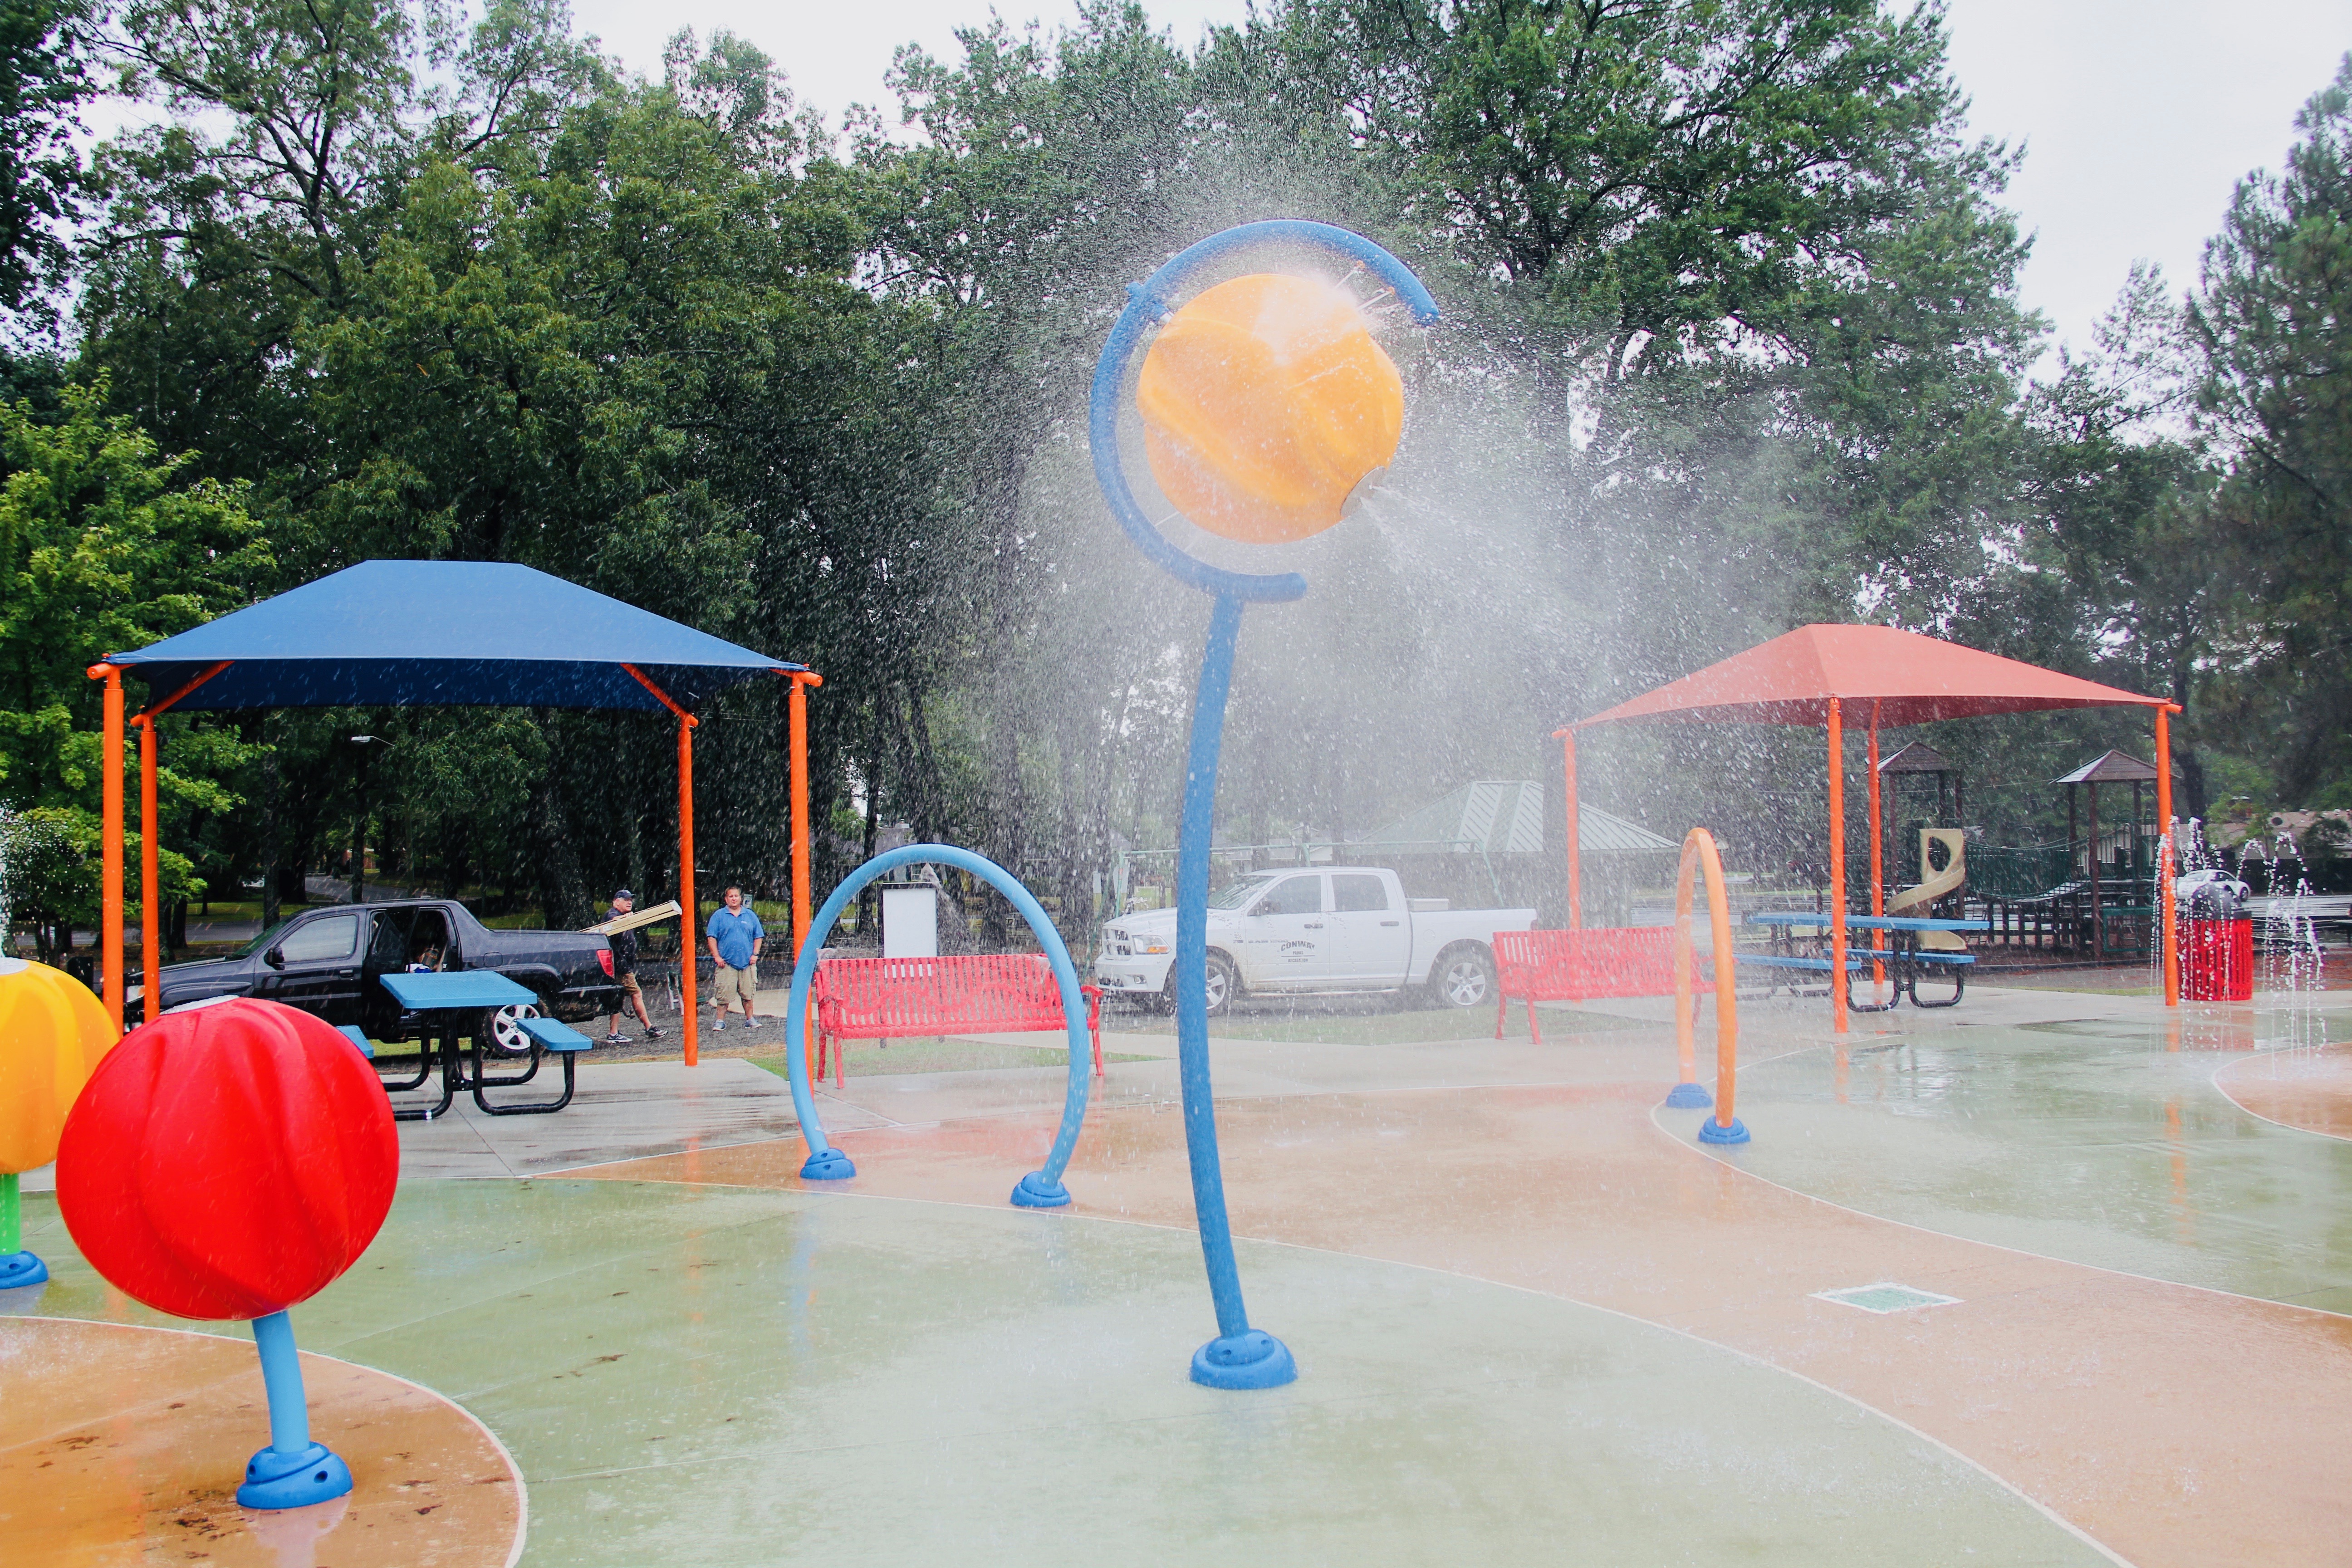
(629, 985)
(726, 984)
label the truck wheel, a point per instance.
(501, 1029)
(1222, 987)
(1462, 977)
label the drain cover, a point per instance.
(1885, 1298)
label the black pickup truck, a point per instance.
(328, 960)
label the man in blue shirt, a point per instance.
(735, 935)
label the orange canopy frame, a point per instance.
(1819, 674)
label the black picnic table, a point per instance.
(449, 1007)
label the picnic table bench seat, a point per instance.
(561, 1040)
(976, 994)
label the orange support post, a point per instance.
(1575, 835)
(1877, 867)
(2166, 858)
(797, 728)
(151, 841)
(151, 923)
(689, 917)
(1837, 869)
(110, 883)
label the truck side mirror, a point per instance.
(275, 959)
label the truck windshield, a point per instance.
(1235, 895)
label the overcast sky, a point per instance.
(2138, 115)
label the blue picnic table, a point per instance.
(451, 1005)
(1899, 951)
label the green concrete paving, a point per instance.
(722, 1376)
(2088, 1138)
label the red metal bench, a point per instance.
(1579, 965)
(980, 994)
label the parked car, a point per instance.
(1335, 929)
(2210, 892)
(328, 960)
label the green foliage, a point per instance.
(106, 545)
(1733, 342)
(2277, 392)
(45, 77)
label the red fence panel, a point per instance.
(891, 998)
(1579, 965)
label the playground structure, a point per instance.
(1267, 406)
(398, 634)
(1810, 676)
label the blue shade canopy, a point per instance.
(479, 634)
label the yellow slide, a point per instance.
(1919, 901)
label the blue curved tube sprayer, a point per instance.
(1039, 1189)
(1240, 1356)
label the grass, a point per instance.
(873, 1059)
(1331, 1025)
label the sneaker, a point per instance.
(653, 1033)
(719, 1027)
(751, 1023)
(616, 1039)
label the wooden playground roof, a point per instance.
(1919, 757)
(2113, 768)
(1905, 677)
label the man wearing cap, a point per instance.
(625, 970)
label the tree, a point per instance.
(2270, 316)
(45, 76)
(106, 545)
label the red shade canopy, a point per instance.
(1912, 678)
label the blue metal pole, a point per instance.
(1239, 1357)
(293, 1471)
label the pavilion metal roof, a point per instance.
(1505, 816)
(442, 633)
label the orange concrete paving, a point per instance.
(2311, 1089)
(123, 1444)
(2176, 1427)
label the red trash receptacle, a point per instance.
(2217, 960)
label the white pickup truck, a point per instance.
(1336, 929)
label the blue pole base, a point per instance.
(1711, 1131)
(276, 1480)
(1253, 1359)
(22, 1269)
(1687, 1097)
(1035, 1192)
(828, 1165)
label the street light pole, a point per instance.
(359, 822)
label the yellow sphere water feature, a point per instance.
(52, 1033)
(1266, 402)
